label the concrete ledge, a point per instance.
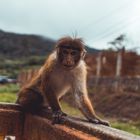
(11, 120)
(39, 127)
(100, 131)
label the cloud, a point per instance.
(96, 21)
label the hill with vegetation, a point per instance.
(18, 51)
(22, 45)
(14, 45)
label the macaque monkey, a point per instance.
(63, 71)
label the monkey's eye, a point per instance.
(74, 53)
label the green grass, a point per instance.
(8, 94)
(9, 88)
(7, 97)
(129, 127)
(70, 110)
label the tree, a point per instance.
(119, 44)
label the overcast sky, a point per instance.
(97, 21)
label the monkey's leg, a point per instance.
(86, 108)
(30, 100)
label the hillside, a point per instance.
(15, 45)
(22, 51)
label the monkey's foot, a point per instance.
(57, 117)
(104, 123)
(99, 122)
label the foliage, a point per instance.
(35, 60)
(12, 67)
(14, 45)
(129, 127)
(9, 88)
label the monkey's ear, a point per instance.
(57, 49)
(84, 53)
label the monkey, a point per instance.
(64, 70)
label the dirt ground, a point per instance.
(123, 106)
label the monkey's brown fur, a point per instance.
(63, 71)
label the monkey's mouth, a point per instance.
(68, 66)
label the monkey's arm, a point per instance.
(55, 106)
(87, 109)
(52, 99)
(50, 94)
(48, 90)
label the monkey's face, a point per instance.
(69, 57)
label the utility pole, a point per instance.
(118, 43)
(119, 63)
(99, 66)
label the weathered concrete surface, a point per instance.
(100, 131)
(39, 127)
(11, 120)
(33, 127)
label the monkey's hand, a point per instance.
(57, 117)
(96, 121)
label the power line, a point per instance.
(106, 15)
(112, 26)
(125, 25)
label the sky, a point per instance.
(96, 21)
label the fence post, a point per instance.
(98, 68)
(118, 69)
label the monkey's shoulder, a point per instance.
(80, 69)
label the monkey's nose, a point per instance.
(69, 62)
